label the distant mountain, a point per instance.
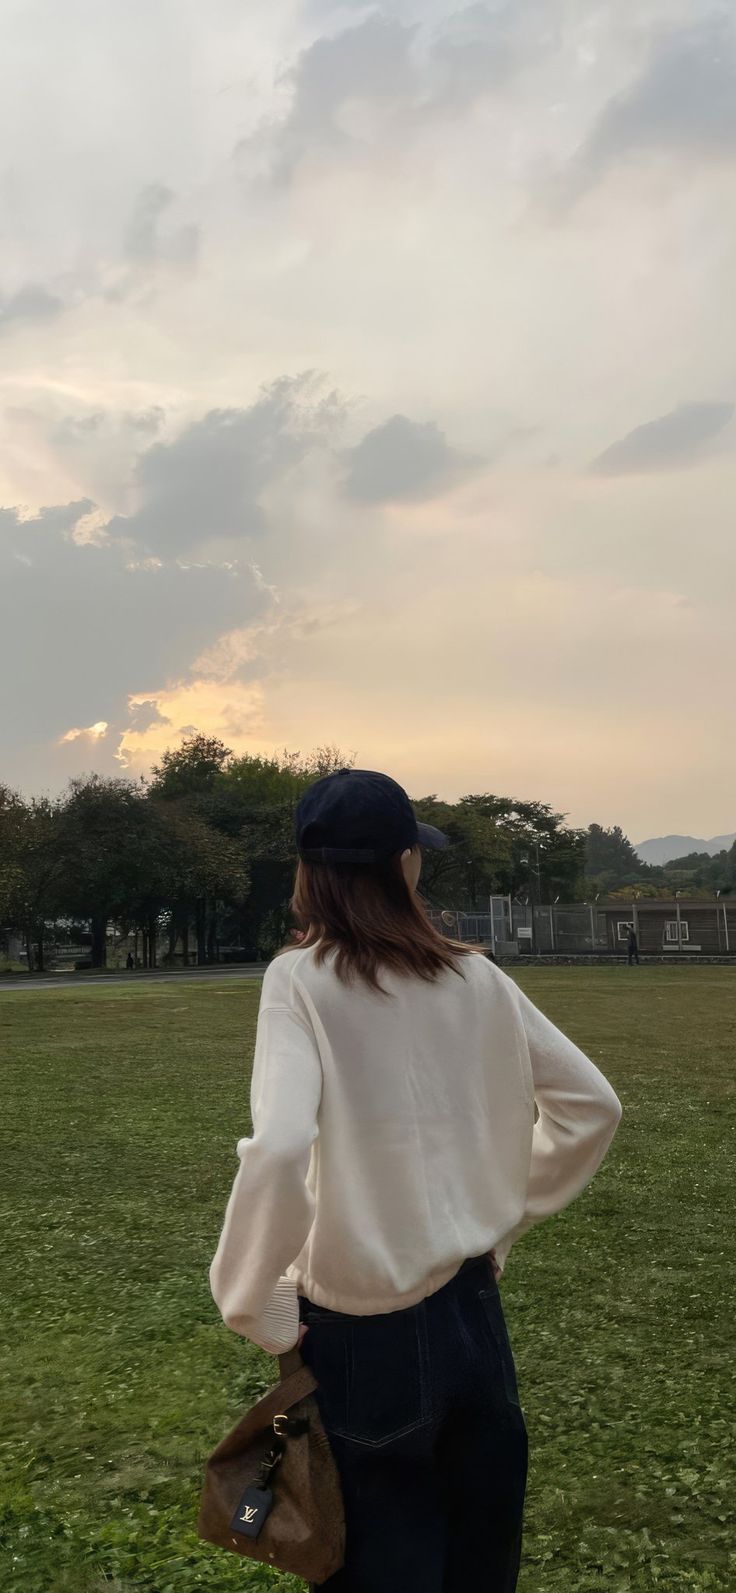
(663, 848)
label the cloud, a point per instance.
(146, 242)
(209, 482)
(402, 459)
(79, 428)
(87, 733)
(124, 605)
(383, 78)
(667, 443)
(53, 521)
(146, 420)
(362, 66)
(83, 627)
(91, 527)
(404, 256)
(683, 101)
(91, 446)
(225, 689)
(97, 423)
(143, 713)
(191, 705)
(33, 302)
(480, 48)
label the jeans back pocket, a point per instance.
(371, 1374)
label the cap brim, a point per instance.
(430, 837)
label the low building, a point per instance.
(663, 927)
(683, 926)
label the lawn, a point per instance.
(121, 1111)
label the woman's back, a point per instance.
(424, 1126)
(394, 1136)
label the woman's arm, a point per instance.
(270, 1210)
(578, 1117)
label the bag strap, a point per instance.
(290, 1363)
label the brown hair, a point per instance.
(370, 917)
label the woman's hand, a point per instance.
(303, 1331)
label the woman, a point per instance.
(395, 1157)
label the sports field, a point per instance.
(121, 1107)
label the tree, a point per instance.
(12, 823)
(29, 868)
(543, 856)
(257, 798)
(611, 861)
(699, 873)
(190, 769)
(467, 873)
(251, 801)
(197, 870)
(107, 862)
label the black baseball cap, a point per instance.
(358, 816)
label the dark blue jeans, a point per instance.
(422, 1411)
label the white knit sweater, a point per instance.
(394, 1136)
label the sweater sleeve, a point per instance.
(578, 1116)
(270, 1210)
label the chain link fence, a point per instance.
(514, 928)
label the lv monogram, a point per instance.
(253, 1507)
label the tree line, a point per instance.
(201, 856)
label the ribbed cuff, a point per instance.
(276, 1330)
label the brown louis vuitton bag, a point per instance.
(271, 1489)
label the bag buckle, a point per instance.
(290, 1426)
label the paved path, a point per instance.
(142, 976)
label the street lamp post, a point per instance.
(526, 861)
(493, 926)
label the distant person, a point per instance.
(394, 1159)
(130, 960)
(633, 945)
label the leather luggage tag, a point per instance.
(252, 1511)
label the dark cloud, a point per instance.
(401, 73)
(144, 714)
(402, 459)
(83, 630)
(668, 443)
(33, 302)
(684, 101)
(55, 519)
(208, 483)
(148, 241)
(369, 63)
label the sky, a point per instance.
(367, 378)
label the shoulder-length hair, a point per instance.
(370, 918)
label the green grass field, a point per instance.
(121, 1111)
